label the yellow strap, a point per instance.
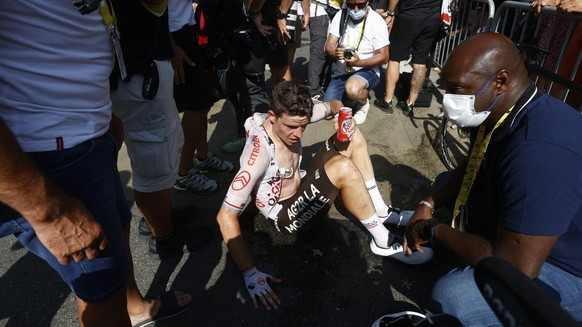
(107, 13)
(475, 159)
(156, 9)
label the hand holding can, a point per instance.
(344, 122)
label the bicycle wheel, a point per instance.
(450, 149)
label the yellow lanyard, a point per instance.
(477, 154)
(107, 13)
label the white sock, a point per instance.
(379, 204)
(381, 235)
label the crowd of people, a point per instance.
(79, 79)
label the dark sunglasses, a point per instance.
(353, 5)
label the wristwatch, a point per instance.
(387, 13)
(428, 231)
(281, 14)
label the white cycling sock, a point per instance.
(379, 204)
(381, 235)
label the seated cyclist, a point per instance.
(292, 198)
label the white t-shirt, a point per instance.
(371, 35)
(180, 13)
(54, 73)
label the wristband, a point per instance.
(426, 203)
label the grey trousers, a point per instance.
(318, 34)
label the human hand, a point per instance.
(283, 35)
(353, 60)
(570, 6)
(413, 236)
(71, 232)
(180, 57)
(537, 5)
(348, 129)
(305, 21)
(264, 30)
(257, 284)
(389, 20)
(412, 239)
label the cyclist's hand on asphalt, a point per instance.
(257, 284)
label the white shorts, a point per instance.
(153, 133)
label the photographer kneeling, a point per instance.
(358, 41)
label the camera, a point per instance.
(348, 53)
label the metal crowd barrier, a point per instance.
(551, 46)
(467, 19)
(550, 42)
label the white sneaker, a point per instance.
(396, 251)
(397, 217)
(360, 115)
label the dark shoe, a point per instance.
(384, 106)
(178, 218)
(167, 247)
(144, 228)
(317, 97)
(406, 108)
(169, 307)
(193, 237)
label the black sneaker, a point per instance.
(317, 97)
(406, 108)
(384, 106)
(193, 238)
(180, 216)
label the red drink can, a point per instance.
(344, 121)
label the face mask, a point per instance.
(357, 15)
(460, 109)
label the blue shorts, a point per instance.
(87, 172)
(336, 88)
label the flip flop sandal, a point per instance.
(169, 308)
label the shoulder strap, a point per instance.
(343, 22)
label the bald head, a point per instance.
(485, 54)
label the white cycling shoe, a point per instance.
(396, 251)
(397, 217)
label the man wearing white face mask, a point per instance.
(519, 195)
(358, 41)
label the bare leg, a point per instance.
(344, 175)
(416, 82)
(157, 210)
(392, 76)
(111, 312)
(356, 90)
(357, 150)
(139, 308)
(278, 74)
(194, 125)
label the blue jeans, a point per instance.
(457, 294)
(336, 88)
(87, 172)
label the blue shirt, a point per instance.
(533, 175)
